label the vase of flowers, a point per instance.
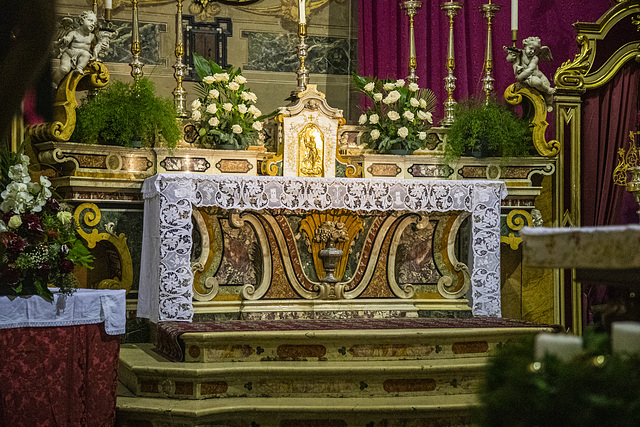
(225, 112)
(38, 243)
(399, 117)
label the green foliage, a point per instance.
(126, 112)
(490, 127)
(580, 392)
(400, 115)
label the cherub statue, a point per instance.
(76, 47)
(525, 66)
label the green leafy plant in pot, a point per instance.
(400, 115)
(486, 130)
(124, 113)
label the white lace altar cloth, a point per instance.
(166, 278)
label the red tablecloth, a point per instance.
(58, 376)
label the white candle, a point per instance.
(563, 346)
(301, 14)
(625, 337)
(514, 14)
(108, 4)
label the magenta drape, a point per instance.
(384, 40)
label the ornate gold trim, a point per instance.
(571, 74)
(119, 242)
(514, 95)
(516, 224)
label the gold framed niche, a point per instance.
(311, 151)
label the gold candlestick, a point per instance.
(136, 64)
(179, 93)
(302, 71)
(451, 9)
(489, 10)
(411, 7)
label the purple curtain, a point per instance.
(609, 114)
(384, 40)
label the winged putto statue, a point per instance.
(525, 66)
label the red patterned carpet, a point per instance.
(171, 346)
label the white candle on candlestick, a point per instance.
(301, 13)
(625, 337)
(108, 4)
(563, 346)
(514, 14)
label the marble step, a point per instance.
(406, 411)
(147, 374)
(348, 345)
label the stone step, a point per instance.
(146, 374)
(406, 411)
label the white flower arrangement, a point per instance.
(225, 113)
(400, 116)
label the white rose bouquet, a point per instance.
(400, 115)
(225, 113)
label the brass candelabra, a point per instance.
(411, 7)
(627, 172)
(179, 93)
(451, 9)
(136, 64)
(489, 11)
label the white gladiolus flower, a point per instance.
(422, 135)
(213, 121)
(403, 132)
(213, 93)
(254, 110)
(393, 96)
(363, 119)
(408, 115)
(221, 77)
(14, 222)
(253, 97)
(424, 115)
(377, 97)
(65, 217)
(414, 102)
(245, 96)
(423, 103)
(413, 87)
(212, 108)
(257, 126)
(240, 80)
(196, 115)
(195, 105)
(242, 108)
(374, 118)
(388, 86)
(227, 106)
(399, 83)
(375, 134)
(236, 129)
(369, 87)
(208, 80)
(234, 86)
(393, 115)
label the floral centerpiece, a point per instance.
(38, 244)
(225, 113)
(400, 115)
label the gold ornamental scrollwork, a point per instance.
(534, 110)
(516, 219)
(92, 218)
(311, 223)
(311, 151)
(571, 74)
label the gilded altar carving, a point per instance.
(310, 151)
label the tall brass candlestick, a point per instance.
(302, 71)
(136, 64)
(411, 7)
(179, 94)
(489, 10)
(451, 9)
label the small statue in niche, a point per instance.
(525, 66)
(76, 47)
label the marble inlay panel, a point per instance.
(278, 52)
(120, 46)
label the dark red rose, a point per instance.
(52, 205)
(43, 270)
(65, 266)
(10, 275)
(33, 223)
(15, 246)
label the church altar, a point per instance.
(166, 278)
(59, 361)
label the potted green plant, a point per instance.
(124, 113)
(485, 129)
(400, 115)
(225, 112)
